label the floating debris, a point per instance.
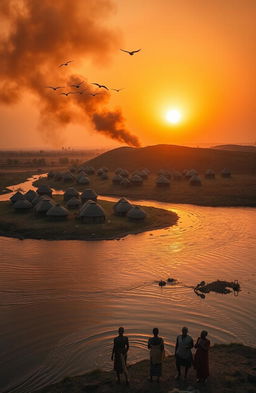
(217, 286)
(162, 283)
(171, 280)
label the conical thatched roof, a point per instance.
(44, 190)
(43, 206)
(35, 200)
(99, 172)
(124, 173)
(57, 211)
(18, 195)
(125, 182)
(191, 173)
(142, 174)
(105, 169)
(30, 195)
(22, 204)
(73, 170)
(104, 176)
(92, 213)
(89, 194)
(68, 177)
(136, 213)
(162, 181)
(58, 176)
(122, 207)
(74, 203)
(117, 179)
(118, 171)
(136, 179)
(195, 181)
(209, 174)
(83, 180)
(164, 172)
(70, 193)
(225, 173)
(89, 170)
(81, 172)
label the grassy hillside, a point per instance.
(176, 157)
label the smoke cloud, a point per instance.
(38, 36)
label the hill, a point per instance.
(244, 148)
(176, 157)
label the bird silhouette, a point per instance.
(100, 86)
(66, 63)
(54, 87)
(93, 94)
(117, 90)
(132, 52)
(67, 94)
(77, 85)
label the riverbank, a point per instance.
(232, 368)
(28, 226)
(237, 191)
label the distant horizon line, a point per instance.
(72, 148)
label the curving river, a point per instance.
(61, 302)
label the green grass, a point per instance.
(239, 190)
(27, 225)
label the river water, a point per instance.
(61, 302)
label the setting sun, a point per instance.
(173, 116)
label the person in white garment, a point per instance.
(183, 353)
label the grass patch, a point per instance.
(27, 225)
(239, 190)
(12, 178)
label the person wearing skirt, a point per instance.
(201, 359)
(156, 347)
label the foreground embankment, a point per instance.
(232, 368)
(28, 225)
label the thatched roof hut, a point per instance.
(195, 181)
(17, 196)
(162, 181)
(105, 169)
(122, 207)
(190, 173)
(74, 203)
(104, 176)
(57, 212)
(92, 213)
(73, 170)
(30, 195)
(70, 193)
(58, 176)
(36, 199)
(89, 194)
(83, 180)
(43, 206)
(89, 170)
(136, 180)
(22, 205)
(225, 173)
(141, 173)
(136, 213)
(68, 177)
(165, 173)
(99, 172)
(209, 174)
(124, 173)
(44, 190)
(118, 171)
(125, 182)
(116, 179)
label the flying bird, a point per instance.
(93, 94)
(66, 63)
(100, 86)
(77, 85)
(132, 52)
(54, 87)
(117, 90)
(67, 94)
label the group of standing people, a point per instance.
(183, 355)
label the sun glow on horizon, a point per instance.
(173, 116)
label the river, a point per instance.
(61, 302)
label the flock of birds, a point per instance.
(78, 85)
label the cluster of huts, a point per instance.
(88, 210)
(122, 177)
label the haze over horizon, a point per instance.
(198, 60)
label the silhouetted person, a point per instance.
(201, 360)
(156, 346)
(184, 344)
(119, 354)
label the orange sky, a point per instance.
(197, 56)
